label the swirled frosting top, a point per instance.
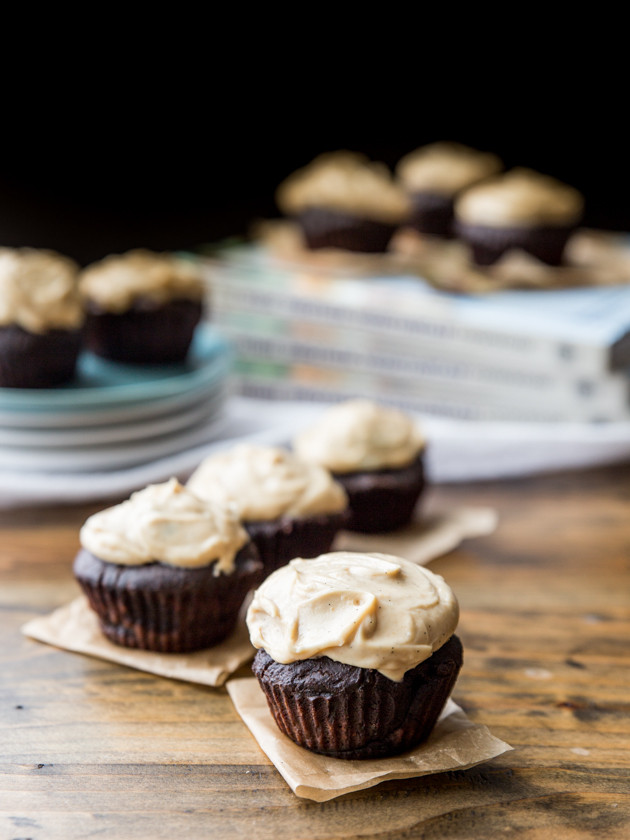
(358, 435)
(166, 523)
(116, 281)
(346, 182)
(520, 197)
(367, 610)
(38, 290)
(446, 168)
(267, 482)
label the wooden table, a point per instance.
(94, 749)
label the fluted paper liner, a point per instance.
(75, 626)
(456, 743)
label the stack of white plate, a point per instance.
(114, 416)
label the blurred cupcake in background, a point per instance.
(344, 200)
(41, 318)
(434, 175)
(521, 209)
(142, 306)
(290, 508)
(376, 453)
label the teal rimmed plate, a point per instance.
(108, 392)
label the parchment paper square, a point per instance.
(75, 627)
(455, 744)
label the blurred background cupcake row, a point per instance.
(139, 307)
(441, 191)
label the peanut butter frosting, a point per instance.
(166, 523)
(118, 280)
(346, 182)
(38, 290)
(367, 610)
(520, 197)
(446, 168)
(267, 482)
(358, 435)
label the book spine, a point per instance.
(431, 328)
(311, 381)
(332, 349)
(291, 389)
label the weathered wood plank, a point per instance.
(88, 748)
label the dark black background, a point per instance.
(167, 176)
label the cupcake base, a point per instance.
(382, 500)
(280, 540)
(431, 213)
(167, 608)
(333, 229)
(37, 360)
(356, 713)
(145, 334)
(488, 244)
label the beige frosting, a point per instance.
(38, 290)
(446, 168)
(266, 482)
(360, 435)
(367, 610)
(521, 197)
(169, 524)
(115, 282)
(346, 182)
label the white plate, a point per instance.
(184, 417)
(110, 457)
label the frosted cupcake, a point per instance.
(343, 200)
(142, 307)
(519, 210)
(434, 175)
(41, 318)
(166, 571)
(357, 653)
(377, 454)
(290, 508)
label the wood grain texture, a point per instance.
(91, 749)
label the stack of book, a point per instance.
(303, 333)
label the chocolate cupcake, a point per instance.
(288, 507)
(357, 653)
(41, 318)
(165, 571)
(377, 454)
(434, 175)
(142, 307)
(519, 210)
(343, 200)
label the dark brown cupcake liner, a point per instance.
(333, 229)
(431, 213)
(357, 713)
(281, 540)
(383, 500)
(37, 360)
(163, 608)
(146, 333)
(488, 244)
